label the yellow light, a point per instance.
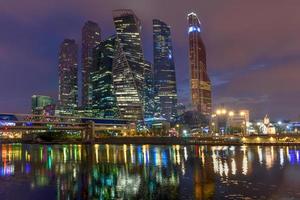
(231, 113)
(177, 125)
(218, 112)
(242, 113)
(224, 111)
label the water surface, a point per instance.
(148, 172)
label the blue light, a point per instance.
(170, 55)
(194, 29)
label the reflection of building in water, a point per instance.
(134, 172)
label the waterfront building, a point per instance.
(40, 104)
(90, 39)
(164, 71)
(129, 65)
(104, 102)
(199, 79)
(68, 88)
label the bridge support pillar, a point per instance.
(89, 136)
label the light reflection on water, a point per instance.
(148, 172)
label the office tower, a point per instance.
(68, 88)
(104, 102)
(90, 39)
(129, 65)
(39, 103)
(149, 105)
(199, 80)
(129, 101)
(164, 71)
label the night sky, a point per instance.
(253, 47)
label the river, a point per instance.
(148, 172)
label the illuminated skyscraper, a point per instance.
(164, 71)
(104, 102)
(129, 101)
(200, 82)
(129, 65)
(68, 88)
(90, 39)
(149, 105)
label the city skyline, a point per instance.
(231, 82)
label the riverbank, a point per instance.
(269, 140)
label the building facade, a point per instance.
(199, 79)
(129, 65)
(129, 101)
(164, 71)
(68, 68)
(104, 102)
(90, 39)
(149, 104)
(40, 103)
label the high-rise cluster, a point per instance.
(200, 82)
(117, 81)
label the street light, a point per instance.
(224, 111)
(231, 113)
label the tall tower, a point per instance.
(200, 82)
(90, 39)
(104, 102)
(164, 71)
(129, 65)
(68, 88)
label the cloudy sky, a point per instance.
(253, 47)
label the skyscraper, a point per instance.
(164, 71)
(68, 88)
(129, 101)
(104, 102)
(90, 39)
(149, 104)
(129, 65)
(199, 80)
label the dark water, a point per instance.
(148, 172)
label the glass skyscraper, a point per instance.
(199, 79)
(129, 65)
(164, 71)
(149, 104)
(68, 88)
(104, 102)
(90, 39)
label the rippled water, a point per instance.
(148, 172)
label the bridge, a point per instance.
(88, 127)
